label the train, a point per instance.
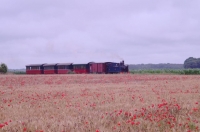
(88, 68)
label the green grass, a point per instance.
(180, 72)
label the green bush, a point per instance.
(3, 68)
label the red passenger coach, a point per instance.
(50, 68)
(81, 68)
(34, 69)
(64, 68)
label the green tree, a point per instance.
(192, 63)
(3, 68)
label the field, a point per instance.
(99, 103)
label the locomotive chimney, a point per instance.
(122, 63)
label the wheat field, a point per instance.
(99, 103)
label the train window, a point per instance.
(78, 67)
(61, 67)
(35, 68)
(48, 67)
(67, 67)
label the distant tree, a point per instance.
(192, 63)
(3, 68)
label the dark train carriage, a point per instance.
(81, 68)
(64, 68)
(50, 68)
(112, 67)
(97, 68)
(34, 69)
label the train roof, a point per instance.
(35, 64)
(91, 62)
(61, 64)
(111, 62)
(102, 62)
(52, 64)
(81, 64)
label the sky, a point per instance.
(81, 31)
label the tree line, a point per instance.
(162, 66)
(190, 63)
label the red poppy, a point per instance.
(2, 125)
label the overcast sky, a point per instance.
(80, 31)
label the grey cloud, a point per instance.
(138, 31)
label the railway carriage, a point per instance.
(35, 69)
(50, 68)
(64, 68)
(97, 67)
(80, 68)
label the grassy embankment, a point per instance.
(179, 72)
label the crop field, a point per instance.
(99, 103)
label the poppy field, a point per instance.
(99, 103)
